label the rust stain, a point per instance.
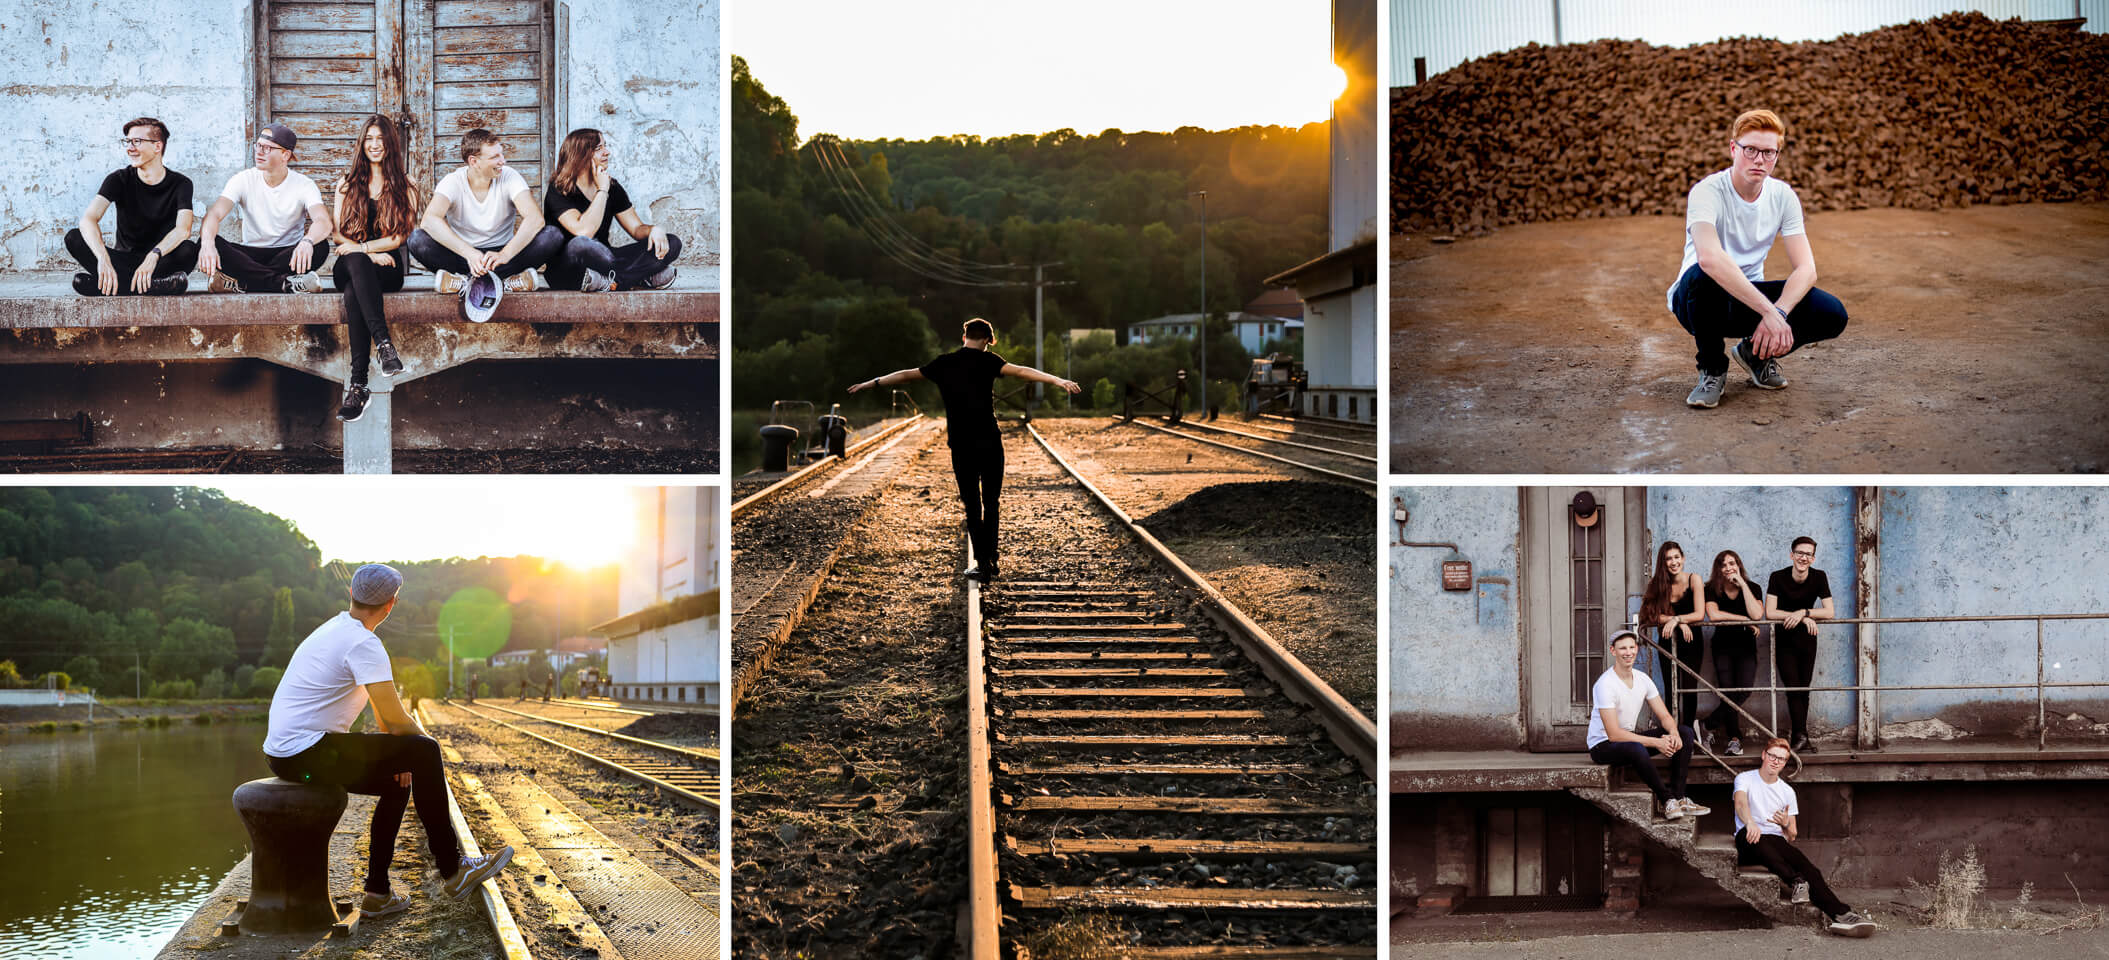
(484, 119)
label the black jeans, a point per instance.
(181, 260)
(264, 269)
(979, 471)
(368, 763)
(630, 264)
(1691, 653)
(363, 282)
(1710, 314)
(435, 255)
(1637, 758)
(1786, 862)
(1735, 665)
(1795, 653)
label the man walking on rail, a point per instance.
(966, 380)
(334, 673)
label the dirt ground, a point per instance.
(1299, 556)
(1973, 347)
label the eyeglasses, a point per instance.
(131, 142)
(1766, 155)
(1804, 555)
(1776, 757)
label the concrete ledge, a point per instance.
(41, 301)
(1493, 771)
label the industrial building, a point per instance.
(664, 646)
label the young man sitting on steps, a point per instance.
(1765, 833)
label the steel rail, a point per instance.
(693, 754)
(1369, 482)
(1354, 733)
(1304, 431)
(984, 910)
(1324, 421)
(1197, 425)
(503, 926)
(815, 469)
(655, 782)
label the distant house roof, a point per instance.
(1188, 319)
(583, 644)
(1277, 302)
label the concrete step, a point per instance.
(1712, 854)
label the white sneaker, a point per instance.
(1693, 809)
(1673, 809)
(304, 283)
(446, 282)
(522, 282)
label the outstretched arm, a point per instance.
(898, 376)
(1028, 373)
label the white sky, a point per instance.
(990, 67)
(581, 522)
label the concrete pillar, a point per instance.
(1867, 602)
(369, 442)
(1624, 867)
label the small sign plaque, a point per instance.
(1457, 574)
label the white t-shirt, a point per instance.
(482, 223)
(1628, 701)
(272, 216)
(1746, 229)
(325, 685)
(1765, 799)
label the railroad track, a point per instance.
(868, 448)
(1348, 436)
(1146, 765)
(680, 772)
(1335, 464)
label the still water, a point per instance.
(109, 839)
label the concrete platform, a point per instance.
(1476, 771)
(43, 300)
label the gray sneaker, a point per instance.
(1801, 892)
(663, 279)
(1764, 374)
(304, 283)
(1852, 924)
(1707, 395)
(596, 281)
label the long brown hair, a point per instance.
(398, 203)
(1655, 600)
(1719, 582)
(575, 158)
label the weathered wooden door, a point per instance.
(1577, 580)
(438, 67)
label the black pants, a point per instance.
(1795, 653)
(435, 255)
(1786, 862)
(630, 264)
(181, 260)
(1735, 665)
(368, 763)
(1638, 758)
(979, 471)
(363, 282)
(264, 269)
(1710, 315)
(1691, 653)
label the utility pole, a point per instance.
(1039, 326)
(1203, 194)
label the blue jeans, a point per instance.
(1636, 757)
(1710, 315)
(630, 264)
(435, 255)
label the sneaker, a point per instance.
(84, 284)
(445, 282)
(377, 905)
(1693, 809)
(1851, 924)
(390, 363)
(1764, 374)
(663, 279)
(304, 283)
(354, 405)
(1800, 893)
(596, 281)
(1707, 395)
(1734, 748)
(522, 282)
(475, 870)
(1802, 745)
(222, 283)
(1673, 809)
(977, 574)
(170, 285)
(1706, 739)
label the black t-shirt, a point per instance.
(145, 213)
(966, 379)
(1798, 596)
(1732, 608)
(555, 202)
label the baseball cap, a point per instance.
(375, 584)
(480, 296)
(280, 134)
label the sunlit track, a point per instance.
(681, 772)
(868, 447)
(1342, 462)
(1298, 444)
(1352, 439)
(1352, 427)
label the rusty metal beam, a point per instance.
(1867, 603)
(411, 307)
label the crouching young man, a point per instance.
(334, 673)
(1765, 833)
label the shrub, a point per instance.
(174, 690)
(1104, 395)
(265, 681)
(214, 686)
(244, 676)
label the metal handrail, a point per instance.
(1699, 741)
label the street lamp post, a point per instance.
(1203, 194)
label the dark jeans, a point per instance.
(181, 260)
(435, 256)
(979, 471)
(1786, 862)
(1795, 653)
(363, 282)
(1710, 314)
(264, 269)
(1735, 665)
(368, 763)
(1637, 757)
(631, 264)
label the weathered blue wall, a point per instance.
(1455, 656)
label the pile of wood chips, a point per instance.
(1942, 113)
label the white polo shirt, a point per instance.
(325, 685)
(272, 216)
(1765, 800)
(487, 222)
(1746, 228)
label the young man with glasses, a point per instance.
(1765, 833)
(154, 252)
(1798, 596)
(1731, 219)
(285, 227)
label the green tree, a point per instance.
(86, 672)
(279, 641)
(265, 682)
(190, 648)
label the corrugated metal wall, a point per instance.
(1448, 32)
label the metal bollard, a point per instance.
(289, 841)
(776, 447)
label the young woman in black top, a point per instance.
(376, 209)
(1730, 596)
(1671, 605)
(581, 200)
